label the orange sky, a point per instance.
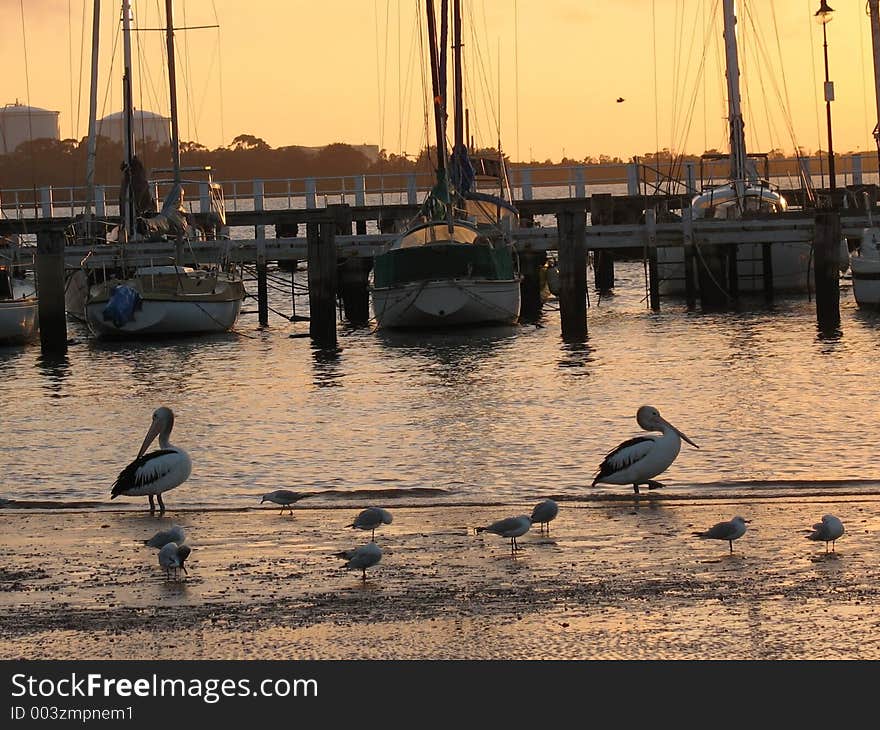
(297, 72)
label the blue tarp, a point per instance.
(124, 300)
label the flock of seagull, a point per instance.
(636, 461)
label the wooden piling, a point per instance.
(262, 283)
(602, 213)
(531, 264)
(712, 273)
(690, 289)
(322, 283)
(651, 251)
(733, 271)
(571, 227)
(50, 285)
(767, 272)
(826, 245)
(354, 272)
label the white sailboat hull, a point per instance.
(452, 302)
(157, 317)
(18, 319)
(865, 269)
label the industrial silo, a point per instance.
(20, 123)
(146, 125)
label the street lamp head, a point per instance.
(823, 14)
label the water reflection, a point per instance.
(326, 366)
(578, 355)
(55, 369)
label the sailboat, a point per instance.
(162, 299)
(745, 194)
(455, 265)
(18, 301)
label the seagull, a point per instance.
(370, 519)
(172, 557)
(158, 471)
(642, 458)
(544, 513)
(362, 558)
(512, 527)
(828, 530)
(163, 537)
(730, 531)
(284, 497)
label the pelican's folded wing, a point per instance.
(626, 454)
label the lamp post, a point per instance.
(823, 16)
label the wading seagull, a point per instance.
(370, 519)
(172, 557)
(828, 530)
(730, 531)
(156, 472)
(512, 527)
(174, 534)
(544, 513)
(640, 459)
(361, 558)
(284, 497)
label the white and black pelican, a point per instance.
(640, 459)
(830, 529)
(545, 512)
(731, 530)
(284, 497)
(172, 557)
(362, 558)
(151, 474)
(370, 519)
(512, 527)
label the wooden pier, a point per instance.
(339, 252)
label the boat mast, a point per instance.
(875, 44)
(93, 111)
(439, 106)
(172, 87)
(734, 110)
(458, 118)
(128, 215)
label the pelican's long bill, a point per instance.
(685, 438)
(155, 427)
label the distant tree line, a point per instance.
(62, 163)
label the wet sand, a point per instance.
(615, 579)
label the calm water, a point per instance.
(485, 416)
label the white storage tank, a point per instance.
(20, 123)
(146, 125)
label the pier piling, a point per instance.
(322, 283)
(827, 272)
(531, 299)
(50, 284)
(571, 227)
(354, 272)
(602, 213)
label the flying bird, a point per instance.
(151, 474)
(512, 527)
(284, 497)
(361, 558)
(620, 99)
(370, 519)
(732, 530)
(174, 534)
(172, 557)
(642, 458)
(828, 530)
(544, 512)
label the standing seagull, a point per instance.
(730, 531)
(362, 558)
(512, 527)
(544, 513)
(370, 519)
(828, 530)
(158, 471)
(173, 556)
(284, 497)
(640, 459)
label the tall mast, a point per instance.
(172, 87)
(128, 215)
(734, 110)
(459, 97)
(875, 44)
(439, 106)
(93, 111)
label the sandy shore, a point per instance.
(614, 580)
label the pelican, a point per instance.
(512, 527)
(173, 556)
(731, 530)
(158, 471)
(544, 513)
(828, 530)
(284, 497)
(361, 558)
(370, 519)
(163, 537)
(642, 458)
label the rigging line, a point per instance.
(409, 83)
(864, 83)
(380, 110)
(687, 120)
(70, 61)
(27, 87)
(787, 102)
(219, 72)
(426, 96)
(656, 107)
(705, 110)
(763, 54)
(192, 116)
(82, 51)
(815, 86)
(399, 87)
(516, 69)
